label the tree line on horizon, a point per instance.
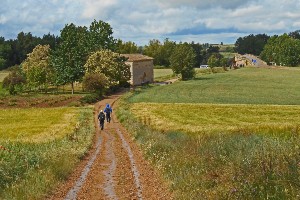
(65, 59)
(280, 49)
(15, 51)
(79, 48)
(69, 58)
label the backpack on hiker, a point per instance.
(108, 110)
(101, 116)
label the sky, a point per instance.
(139, 21)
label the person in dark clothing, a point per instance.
(108, 111)
(101, 118)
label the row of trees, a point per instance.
(81, 52)
(254, 44)
(251, 44)
(283, 50)
(184, 59)
(14, 52)
(162, 52)
(79, 47)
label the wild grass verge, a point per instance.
(235, 165)
(31, 170)
(3, 92)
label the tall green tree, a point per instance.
(283, 50)
(213, 61)
(295, 34)
(5, 50)
(182, 61)
(25, 43)
(126, 47)
(50, 39)
(100, 36)
(198, 48)
(208, 52)
(111, 64)
(160, 52)
(71, 55)
(14, 52)
(37, 69)
(166, 51)
(153, 49)
(251, 44)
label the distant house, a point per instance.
(240, 61)
(141, 68)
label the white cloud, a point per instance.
(3, 19)
(296, 25)
(97, 8)
(246, 11)
(203, 4)
(140, 20)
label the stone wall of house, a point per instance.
(141, 72)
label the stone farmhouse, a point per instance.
(141, 68)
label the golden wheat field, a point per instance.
(37, 124)
(211, 118)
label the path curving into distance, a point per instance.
(115, 167)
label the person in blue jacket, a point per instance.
(108, 111)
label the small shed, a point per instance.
(141, 68)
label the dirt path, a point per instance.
(114, 168)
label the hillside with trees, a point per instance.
(251, 44)
(283, 50)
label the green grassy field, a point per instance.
(243, 86)
(232, 135)
(40, 147)
(163, 74)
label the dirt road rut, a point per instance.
(114, 169)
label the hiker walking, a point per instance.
(108, 110)
(101, 118)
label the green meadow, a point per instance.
(163, 74)
(243, 86)
(40, 147)
(231, 135)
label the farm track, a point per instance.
(114, 169)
